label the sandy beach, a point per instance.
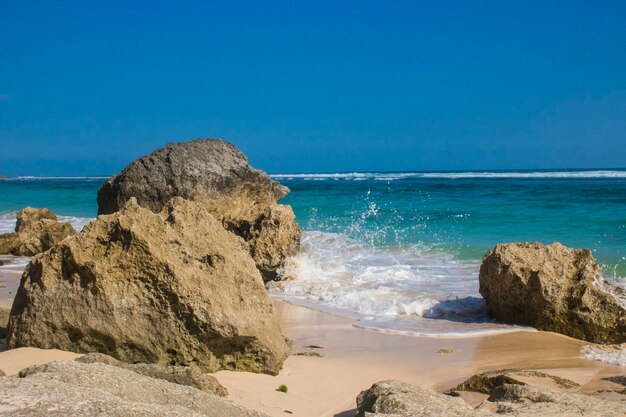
(351, 359)
(354, 358)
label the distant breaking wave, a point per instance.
(28, 177)
(391, 176)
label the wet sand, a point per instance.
(10, 274)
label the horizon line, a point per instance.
(442, 171)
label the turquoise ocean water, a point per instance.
(401, 251)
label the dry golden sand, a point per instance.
(353, 359)
(14, 360)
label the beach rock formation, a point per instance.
(396, 398)
(36, 231)
(173, 288)
(182, 375)
(532, 401)
(399, 399)
(553, 288)
(217, 175)
(7, 242)
(80, 389)
(486, 382)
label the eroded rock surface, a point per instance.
(183, 375)
(553, 288)
(217, 175)
(36, 231)
(402, 399)
(173, 288)
(80, 389)
(506, 397)
(487, 381)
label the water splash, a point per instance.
(406, 289)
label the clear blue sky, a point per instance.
(85, 87)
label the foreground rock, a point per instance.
(553, 288)
(486, 382)
(182, 375)
(217, 175)
(79, 389)
(399, 399)
(402, 399)
(171, 288)
(36, 231)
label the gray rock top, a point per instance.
(80, 389)
(211, 167)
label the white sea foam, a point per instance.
(409, 290)
(7, 221)
(614, 355)
(537, 174)
(393, 176)
(28, 177)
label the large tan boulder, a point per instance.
(36, 231)
(554, 288)
(70, 388)
(217, 175)
(172, 287)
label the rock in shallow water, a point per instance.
(217, 175)
(36, 231)
(553, 288)
(80, 389)
(172, 288)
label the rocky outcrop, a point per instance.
(399, 399)
(182, 375)
(80, 389)
(553, 288)
(396, 398)
(273, 237)
(7, 242)
(36, 231)
(172, 288)
(486, 382)
(217, 175)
